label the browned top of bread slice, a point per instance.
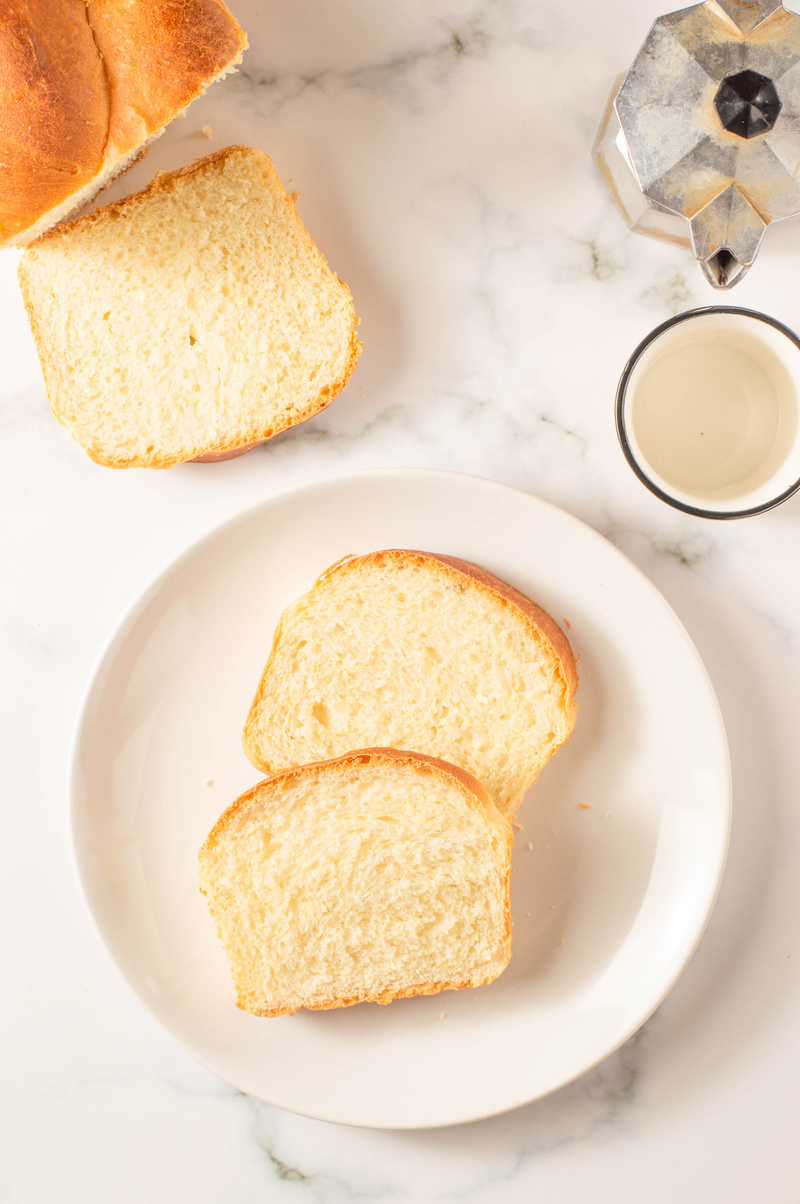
(538, 618)
(417, 650)
(84, 84)
(377, 875)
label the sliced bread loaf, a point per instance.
(371, 877)
(85, 85)
(417, 651)
(193, 319)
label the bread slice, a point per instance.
(192, 319)
(85, 85)
(417, 651)
(371, 877)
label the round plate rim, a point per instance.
(136, 608)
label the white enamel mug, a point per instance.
(708, 412)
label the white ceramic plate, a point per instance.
(609, 898)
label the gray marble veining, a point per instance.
(441, 153)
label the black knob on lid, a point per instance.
(747, 104)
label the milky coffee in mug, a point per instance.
(707, 412)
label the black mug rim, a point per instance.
(622, 433)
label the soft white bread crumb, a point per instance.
(378, 875)
(417, 651)
(191, 319)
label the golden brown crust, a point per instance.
(536, 618)
(52, 133)
(474, 795)
(321, 402)
(469, 786)
(165, 183)
(383, 997)
(158, 57)
(169, 184)
(84, 83)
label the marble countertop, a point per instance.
(442, 155)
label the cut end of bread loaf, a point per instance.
(86, 88)
(417, 651)
(189, 320)
(378, 875)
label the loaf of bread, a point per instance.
(417, 651)
(85, 85)
(378, 875)
(191, 320)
